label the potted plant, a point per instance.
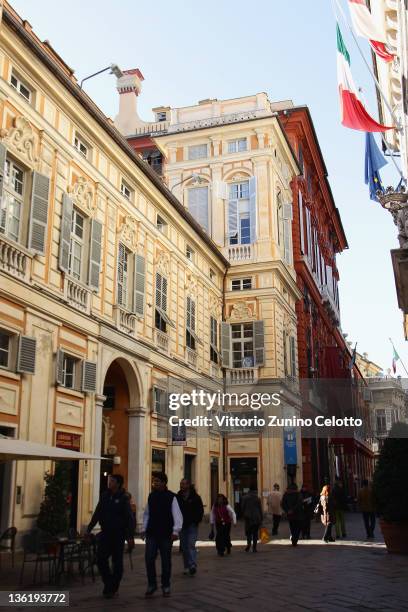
(53, 517)
(390, 489)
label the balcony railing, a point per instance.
(242, 376)
(14, 259)
(331, 305)
(239, 252)
(191, 357)
(125, 320)
(77, 295)
(161, 340)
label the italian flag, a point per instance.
(353, 113)
(365, 26)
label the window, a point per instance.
(11, 205)
(189, 253)
(239, 284)
(198, 205)
(197, 151)
(69, 373)
(235, 146)
(191, 324)
(19, 86)
(76, 248)
(161, 116)
(213, 340)
(123, 275)
(239, 217)
(161, 317)
(242, 345)
(5, 349)
(160, 401)
(126, 191)
(81, 145)
(381, 422)
(161, 224)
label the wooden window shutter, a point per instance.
(139, 285)
(259, 343)
(89, 376)
(65, 234)
(226, 345)
(252, 209)
(3, 154)
(39, 213)
(232, 218)
(95, 254)
(59, 367)
(26, 355)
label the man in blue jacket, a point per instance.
(115, 517)
(162, 521)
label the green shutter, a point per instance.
(26, 355)
(39, 213)
(3, 154)
(226, 345)
(95, 254)
(139, 285)
(65, 233)
(89, 376)
(259, 343)
(59, 367)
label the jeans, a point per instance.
(188, 539)
(328, 532)
(295, 527)
(251, 532)
(340, 524)
(153, 546)
(110, 545)
(223, 537)
(369, 522)
(276, 518)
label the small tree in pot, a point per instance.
(390, 489)
(53, 516)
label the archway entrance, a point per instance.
(115, 424)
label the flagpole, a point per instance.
(402, 363)
(398, 126)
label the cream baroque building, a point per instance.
(87, 269)
(230, 164)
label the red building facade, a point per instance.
(318, 236)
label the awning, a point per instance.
(13, 449)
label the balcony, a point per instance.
(215, 371)
(14, 259)
(161, 340)
(191, 357)
(331, 306)
(242, 376)
(125, 320)
(77, 295)
(240, 252)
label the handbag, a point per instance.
(318, 509)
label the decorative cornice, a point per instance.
(22, 138)
(82, 195)
(128, 232)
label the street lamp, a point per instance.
(196, 179)
(114, 69)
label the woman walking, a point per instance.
(222, 516)
(328, 512)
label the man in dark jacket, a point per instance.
(251, 509)
(292, 504)
(192, 509)
(162, 522)
(115, 517)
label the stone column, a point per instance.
(136, 459)
(97, 447)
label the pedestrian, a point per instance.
(274, 507)
(115, 517)
(328, 517)
(365, 502)
(308, 509)
(252, 512)
(162, 522)
(192, 509)
(292, 504)
(340, 506)
(221, 517)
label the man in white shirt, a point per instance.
(162, 522)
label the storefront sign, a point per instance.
(68, 440)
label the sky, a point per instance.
(220, 49)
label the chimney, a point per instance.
(129, 87)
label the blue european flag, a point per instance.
(374, 160)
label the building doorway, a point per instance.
(72, 442)
(6, 477)
(244, 475)
(189, 467)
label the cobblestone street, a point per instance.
(351, 575)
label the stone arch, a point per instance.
(244, 172)
(137, 392)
